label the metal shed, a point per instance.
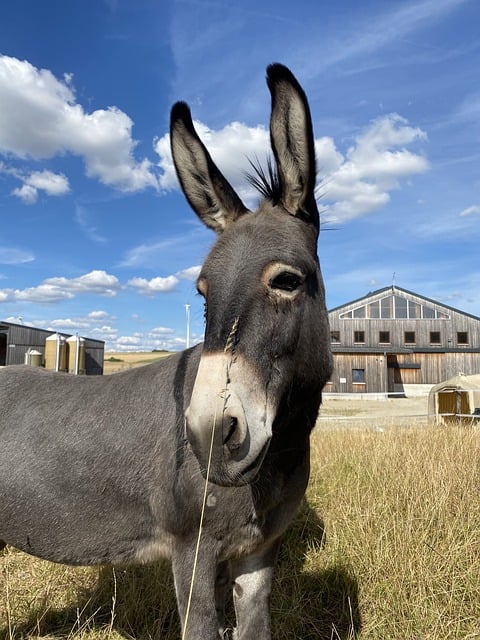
(16, 340)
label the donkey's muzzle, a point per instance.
(226, 422)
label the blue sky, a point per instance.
(96, 237)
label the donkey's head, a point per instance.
(266, 353)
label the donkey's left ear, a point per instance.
(292, 140)
(209, 193)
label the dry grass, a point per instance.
(119, 361)
(402, 516)
(396, 556)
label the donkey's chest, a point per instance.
(241, 528)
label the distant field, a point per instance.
(115, 361)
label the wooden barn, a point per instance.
(21, 344)
(396, 341)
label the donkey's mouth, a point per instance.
(232, 475)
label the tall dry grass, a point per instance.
(386, 546)
(402, 518)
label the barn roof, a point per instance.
(394, 289)
(6, 324)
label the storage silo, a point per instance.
(33, 358)
(56, 352)
(76, 355)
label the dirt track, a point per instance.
(373, 413)
(390, 407)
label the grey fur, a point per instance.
(100, 471)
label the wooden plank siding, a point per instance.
(438, 343)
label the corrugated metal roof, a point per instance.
(27, 327)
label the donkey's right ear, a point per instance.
(209, 193)
(293, 144)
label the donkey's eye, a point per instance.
(286, 281)
(202, 286)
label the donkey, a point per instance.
(121, 469)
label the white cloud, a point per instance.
(41, 293)
(53, 184)
(191, 273)
(353, 184)
(128, 341)
(155, 285)
(81, 217)
(96, 281)
(230, 147)
(167, 341)
(9, 255)
(98, 315)
(372, 168)
(168, 250)
(329, 159)
(85, 325)
(61, 288)
(390, 23)
(106, 333)
(40, 119)
(26, 193)
(474, 209)
(70, 324)
(448, 224)
(161, 331)
(469, 110)
(144, 254)
(20, 320)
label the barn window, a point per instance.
(358, 376)
(359, 336)
(334, 336)
(462, 337)
(359, 312)
(409, 337)
(401, 308)
(435, 337)
(384, 337)
(387, 307)
(414, 310)
(374, 310)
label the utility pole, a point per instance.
(187, 311)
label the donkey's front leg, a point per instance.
(199, 618)
(251, 594)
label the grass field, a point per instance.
(386, 547)
(119, 361)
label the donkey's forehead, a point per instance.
(263, 237)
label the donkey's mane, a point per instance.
(265, 181)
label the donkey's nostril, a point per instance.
(231, 429)
(230, 440)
